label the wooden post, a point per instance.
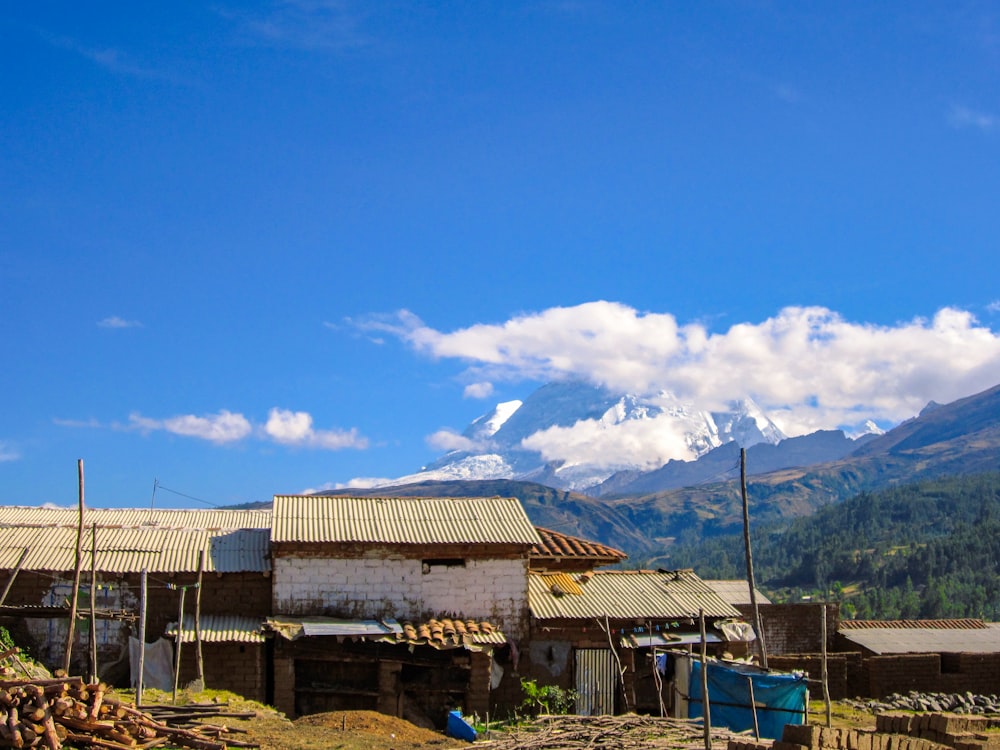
(142, 636)
(93, 603)
(705, 708)
(197, 622)
(71, 635)
(178, 641)
(826, 676)
(13, 575)
(753, 709)
(758, 626)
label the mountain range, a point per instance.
(628, 444)
(644, 511)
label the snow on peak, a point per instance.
(868, 427)
(574, 435)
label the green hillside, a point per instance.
(924, 550)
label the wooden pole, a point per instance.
(197, 622)
(179, 641)
(71, 635)
(93, 603)
(13, 575)
(753, 709)
(142, 636)
(826, 677)
(706, 709)
(758, 626)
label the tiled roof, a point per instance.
(447, 633)
(555, 544)
(443, 632)
(401, 520)
(959, 624)
(220, 629)
(628, 594)
(926, 640)
(735, 592)
(49, 536)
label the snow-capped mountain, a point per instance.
(575, 436)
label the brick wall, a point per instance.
(375, 587)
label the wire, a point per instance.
(189, 497)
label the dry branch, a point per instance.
(45, 713)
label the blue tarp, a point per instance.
(780, 698)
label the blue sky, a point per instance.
(256, 248)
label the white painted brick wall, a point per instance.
(494, 590)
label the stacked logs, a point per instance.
(66, 711)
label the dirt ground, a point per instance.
(342, 730)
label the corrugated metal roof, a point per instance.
(128, 517)
(735, 592)
(917, 640)
(401, 520)
(129, 549)
(295, 627)
(629, 594)
(220, 629)
(959, 624)
(561, 582)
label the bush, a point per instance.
(546, 699)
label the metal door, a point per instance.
(596, 681)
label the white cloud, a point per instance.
(993, 306)
(115, 322)
(478, 390)
(295, 428)
(283, 426)
(224, 427)
(313, 25)
(449, 440)
(963, 117)
(807, 366)
(648, 443)
(8, 452)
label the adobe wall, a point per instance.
(237, 667)
(843, 672)
(795, 628)
(387, 587)
(45, 638)
(939, 673)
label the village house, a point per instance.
(396, 604)
(218, 560)
(600, 633)
(408, 606)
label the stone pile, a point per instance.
(956, 703)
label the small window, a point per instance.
(442, 562)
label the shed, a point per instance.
(597, 632)
(38, 554)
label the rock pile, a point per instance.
(956, 703)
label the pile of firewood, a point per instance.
(63, 711)
(624, 732)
